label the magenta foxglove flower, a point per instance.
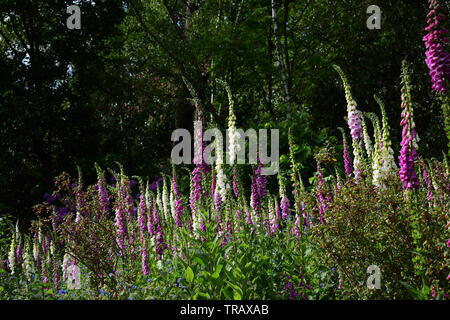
(285, 204)
(347, 159)
(248, 218)
(255, 195)
(427, 180)
(321, 196)
(297, 227)
(261, 181)
(160, 245)
(142, 215)
(408, 153)
(438, 59)
(120, 226)
(217, 201)
(144, 261)
(103, 195)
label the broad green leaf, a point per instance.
(189, 275)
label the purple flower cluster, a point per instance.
(347, 160)
(293, 294)
(408, 153)
(120, 226)
(258, 187)
(103, 195)
(144, 261)
(255, 194)
(261, 181)
(217, 201)
(438, 60)
(157, 182)
(355, 124)
(197, 178)
(160, 244)
(248, 218)
(285, 205)
(321, 196)
(297, 227)
(427, 180)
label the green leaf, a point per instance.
(189, 275)
(200, 261)
(217, 272)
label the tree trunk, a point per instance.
(280, 55)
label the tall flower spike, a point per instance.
(79, 194)
(367, 141)
(408, 152)
(103, 198)
(354, 123)
(320, 195)
(28, 264)
(12, 254)
(388, 166)
(232, 133)
(165, 201)
(198, 158)
(438, 59)
(272, 219)
(220, 175)
(347, 159)
(377, 147)
(285, 204)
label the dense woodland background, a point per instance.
(114, 90)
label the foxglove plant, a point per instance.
(120, 225)
(198, 158)
(438, 59)
(347, 159)
(65, 266)
(28, 264)
(80, 199)
(285, 204)
(102, 191)
(272, 219)
(367, 141)
(427, 181)
(220, 174)
(149, 205)
(388, 166)
(377, 148)
(233, 134)
(408, 152)
(354, 123)
(142, 217)
(12, 254)
(36, 253)
(165, 201)
(145, 269)
(321, 195)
